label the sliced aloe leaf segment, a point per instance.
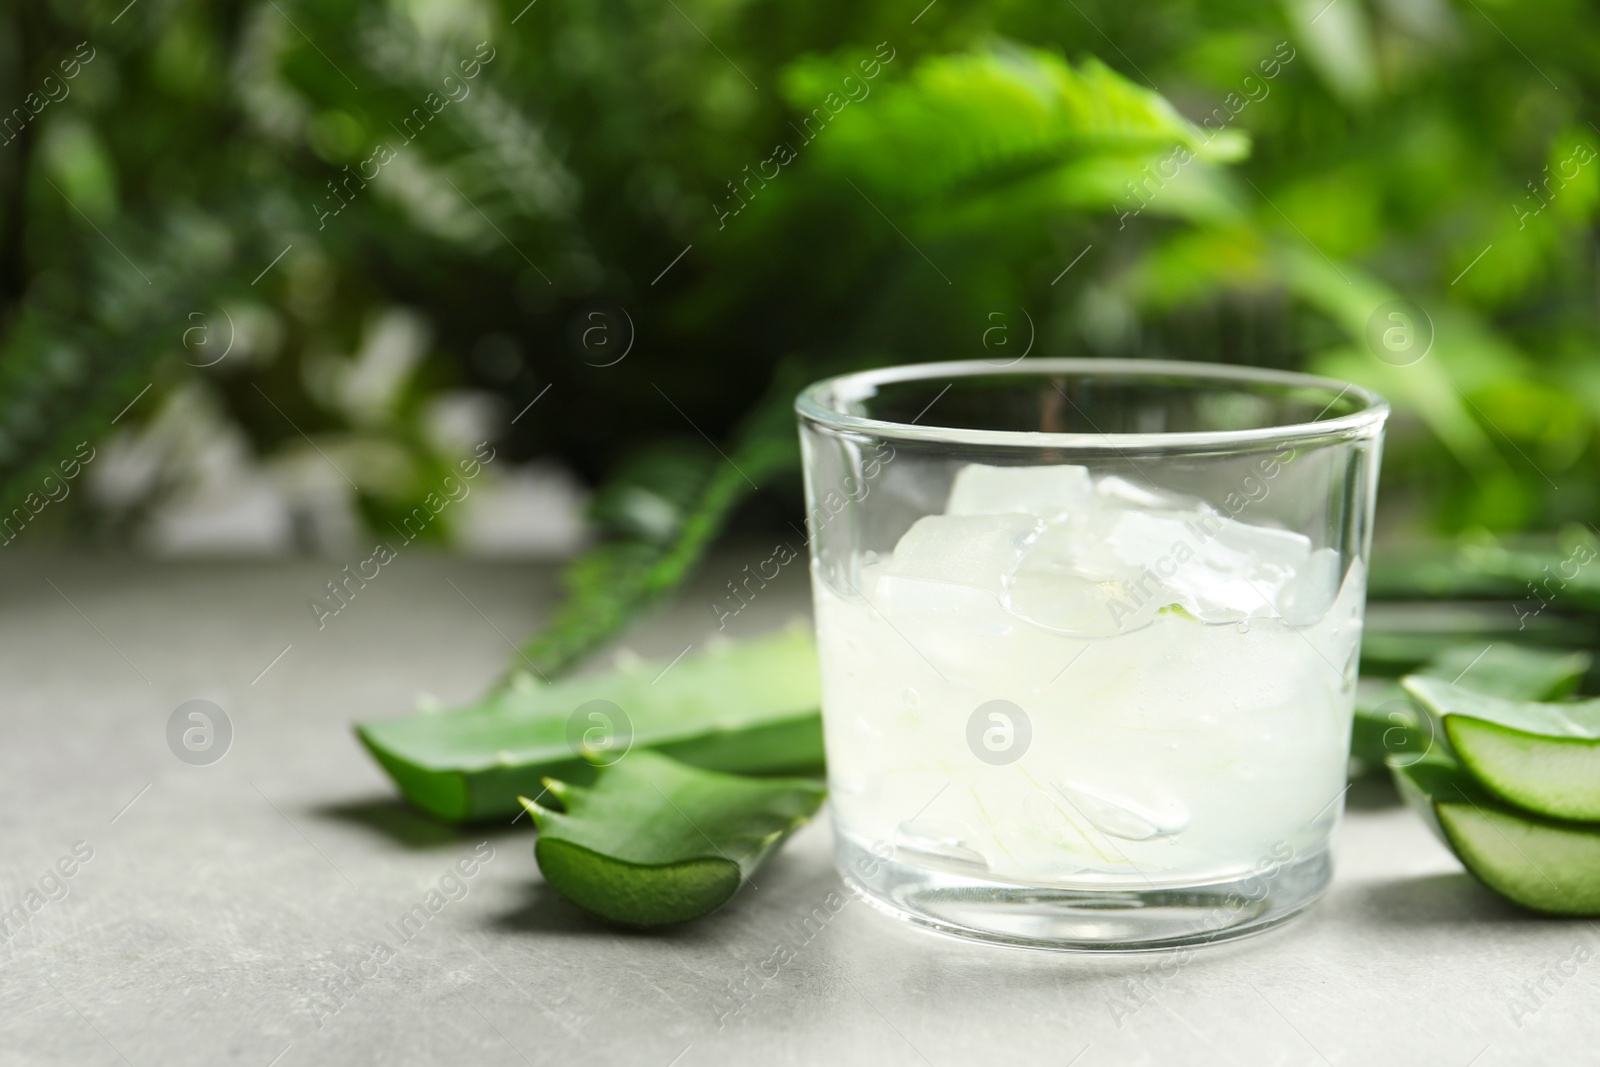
(749, 708)
(654, 841)
(1539, 756)
(1544, 864)
(1388, 724)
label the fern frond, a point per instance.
(962, 121)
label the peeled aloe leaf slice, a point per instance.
(748, 707)
(1386, 723)
(1542, 864)
(1542, 757)
(655, 842)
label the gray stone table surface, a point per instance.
(228, 913)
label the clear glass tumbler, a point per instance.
(1089, 633)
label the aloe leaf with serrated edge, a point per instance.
(1544, 864)
(1541, 757)
(654, 841)
(749, 707)
(1387, 724)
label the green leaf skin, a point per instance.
(1525, 571)
(654, 842)
(1401, 638)
(748, 708)
(1542, 864)
(1386, 723)
(1544, 758)
(1511, 671)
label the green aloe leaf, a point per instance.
(1387, 723)
(747, 707)
(1402, 637)
(1511, 671)
(1534, 574)
(654, 842)
(1544, 864)
(1544, 758)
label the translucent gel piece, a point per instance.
(1050, 493)
(939, 842)
(1132, 818)
(974, 550)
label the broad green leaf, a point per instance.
(1541, 757)
(1338, 41)
(654, 842)
(749, 707)
(1198, 193)
(1432, 389)
(1543, 864)
(1189, 266)
(963, 121)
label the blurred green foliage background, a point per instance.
(405, 221)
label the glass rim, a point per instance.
(817, 404)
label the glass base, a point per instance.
(1125, 918)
